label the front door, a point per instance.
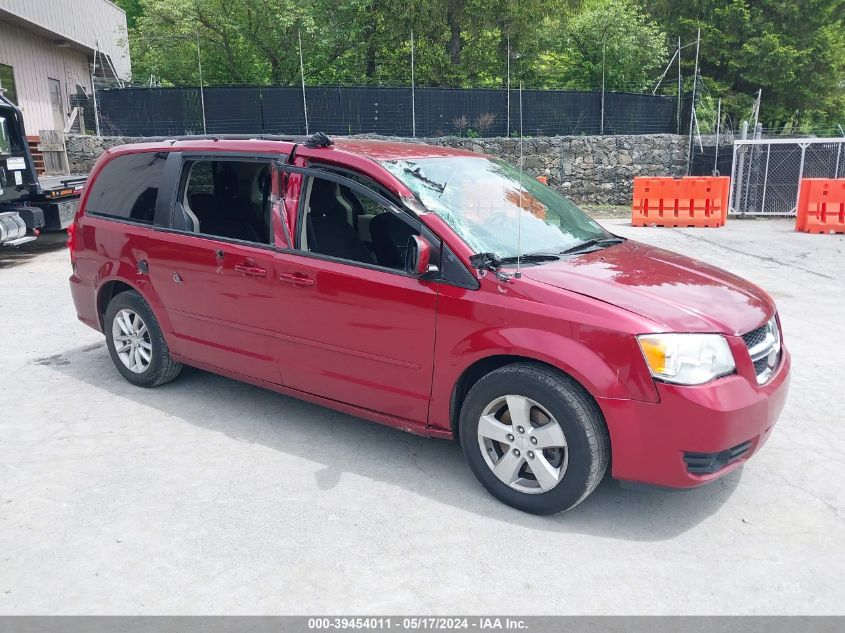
(57, 104)
(215, 270)
(359, 329)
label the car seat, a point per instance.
(390, 239)
(329, 230)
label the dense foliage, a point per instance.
(793, 51)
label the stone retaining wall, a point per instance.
(83, 151)
(592, 170)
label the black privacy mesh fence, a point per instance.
(360, 110)
(708, 161)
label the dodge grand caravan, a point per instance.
(434, 290)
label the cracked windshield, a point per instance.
(485, 200)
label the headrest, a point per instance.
(325, 199)
(388, 225)
(226, 182)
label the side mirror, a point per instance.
(418, 256)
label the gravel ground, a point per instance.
(211, 496)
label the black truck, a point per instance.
(29, 205)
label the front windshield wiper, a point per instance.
(596, 241)
(531, 257)
(431, 183)
(492, 262)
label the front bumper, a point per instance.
(694, 434)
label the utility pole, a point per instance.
(757, 107)
(413, 100)
(202, 90)
(94, 88)
(718, 125)
(508, 89)
(692, 103)
(302, 75)
(680, 86)
(603, 56)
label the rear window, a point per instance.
(127, 187)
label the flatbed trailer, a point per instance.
(30, 203)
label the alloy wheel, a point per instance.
(523, 444)
(132, 341)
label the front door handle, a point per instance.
(251, 270)
(297, 279)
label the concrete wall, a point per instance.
(589, 169)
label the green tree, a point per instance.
(611, 37)
(457, 42)
(527, 27)
(793, 51)
(133, 11)
(241, 41)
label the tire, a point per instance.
(577, 461)
(159, 368)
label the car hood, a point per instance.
(676, 292)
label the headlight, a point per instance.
(687, 359)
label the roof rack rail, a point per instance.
(293, 138)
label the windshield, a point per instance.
(484, 200)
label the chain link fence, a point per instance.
(766, 173)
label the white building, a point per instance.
(47, 53)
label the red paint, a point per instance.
(391, 348)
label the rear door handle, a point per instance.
(297, 279)
(251, 270)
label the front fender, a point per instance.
(604, 362)
(598, 359)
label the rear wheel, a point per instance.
(534, 438)
(136, 343)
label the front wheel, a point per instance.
(136, 343)
(534, 438)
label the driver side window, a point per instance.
(341, 222)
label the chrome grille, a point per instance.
(757, 336)
(761, 365)
(764, 345)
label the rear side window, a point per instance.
(127, 187)
(229, 199)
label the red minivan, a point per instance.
(435, 290)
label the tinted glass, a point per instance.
(492, 206)
(128, 187)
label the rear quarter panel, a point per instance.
(110, 251)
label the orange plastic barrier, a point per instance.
(690, 201)
(821, 205)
